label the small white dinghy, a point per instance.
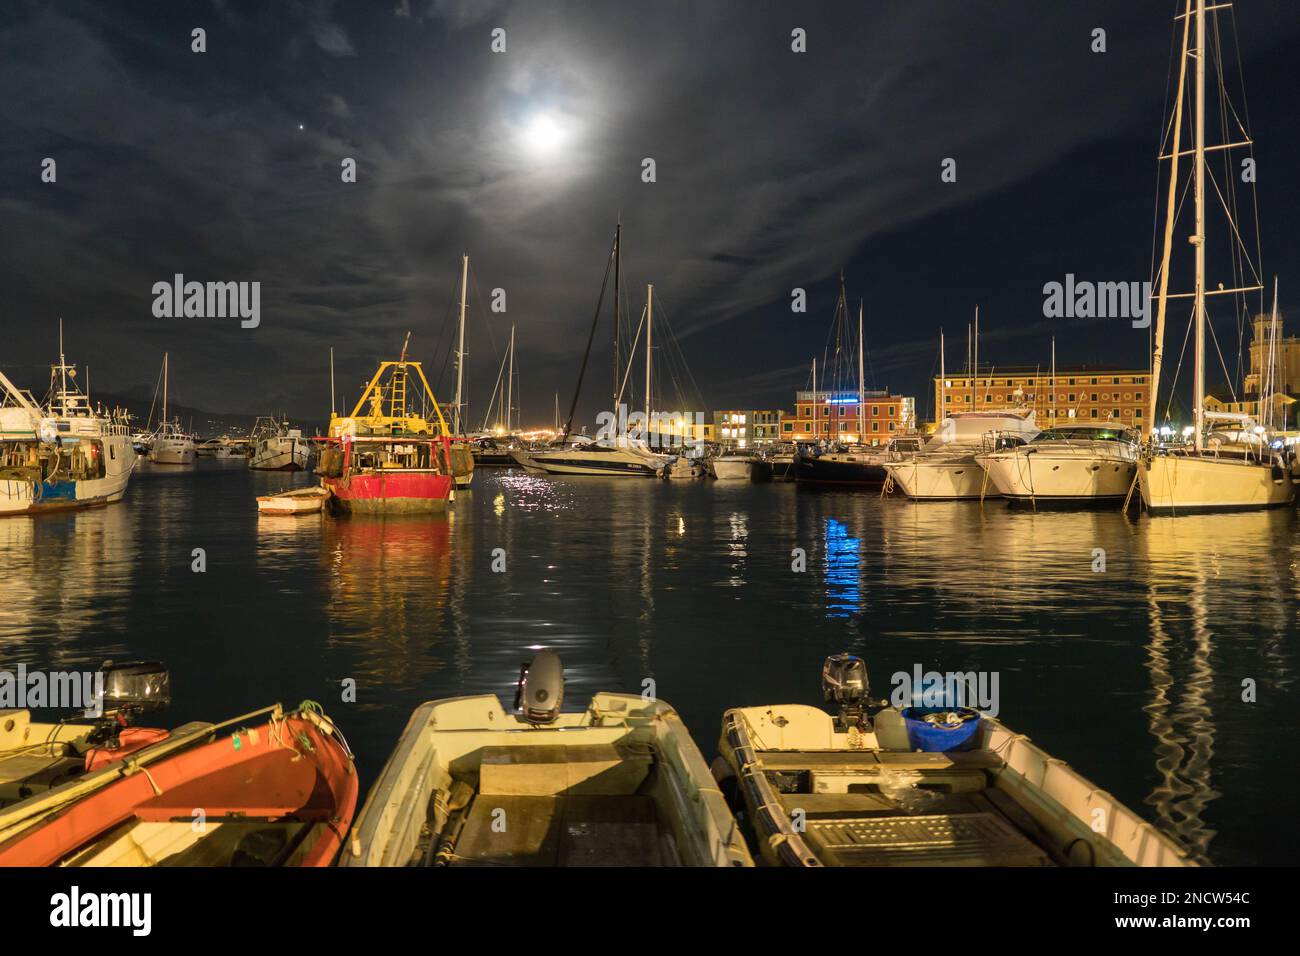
(875, 786)
(299, 501)
(619, 784)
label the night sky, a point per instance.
(775, 170)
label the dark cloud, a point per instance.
(774, 170)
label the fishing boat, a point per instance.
(619, 784)
(944, 468)
(274, 446)
(387, 456)
(269, 788)
(170, 444)
(1076, 463)
(1202, 476)
(223, 448)
(869, 785)
(299, 501)
(64, 454)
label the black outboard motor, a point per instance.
(130, 689)
(844, 684)
(540, 691)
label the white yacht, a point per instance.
(733, 466)
(582, 456)
(1070, 463)
(945, 467)
(274, 446)
(64, 455)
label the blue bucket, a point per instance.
(932, 738)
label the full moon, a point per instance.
(543, 134)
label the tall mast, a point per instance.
(975, 346)
(618, 273)
(1199, 238)
(510, 382)
(862, 422)
(331, 381)
(1171, 208)
(460, 348)
(1051, 398)
(943, 380)
(649, 326)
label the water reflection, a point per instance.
(843, 567)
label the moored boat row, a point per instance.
(620, 782)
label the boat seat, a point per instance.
(573, 830)
(875, 760)
(550, 770)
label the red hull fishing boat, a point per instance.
(387, 456)
(279, 790)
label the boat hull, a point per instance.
(18, 497)
(1173, 484)
(280, 454)
(733, 470)
(947, 481)
(1045, 477)
(391, 491)
(617, 463)
(171, 451)
(834, 470)
(281, 793)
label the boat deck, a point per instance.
(584, 805)
(571, 830)
(873, 808)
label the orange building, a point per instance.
(1075, 394)
(833, 416)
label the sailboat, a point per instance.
(622, 456)
(855, 463)
(170, 445)
(64, 455)
(1209, 475)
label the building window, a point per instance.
(947, 400)
(1114, 381)
(1137, 413)
(1094, 413)
(788, 426)
(1071, 399)
(1094, 397)
(875, 426)
(1137, 396)
(1070, 382)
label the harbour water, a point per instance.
(1133, 673)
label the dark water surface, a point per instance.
(1134, 674)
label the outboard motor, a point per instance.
(540, 691)
(134, 688)
(844, 684)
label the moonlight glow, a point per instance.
(543, 135)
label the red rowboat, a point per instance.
(281, 792)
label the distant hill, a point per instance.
(201, 421)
